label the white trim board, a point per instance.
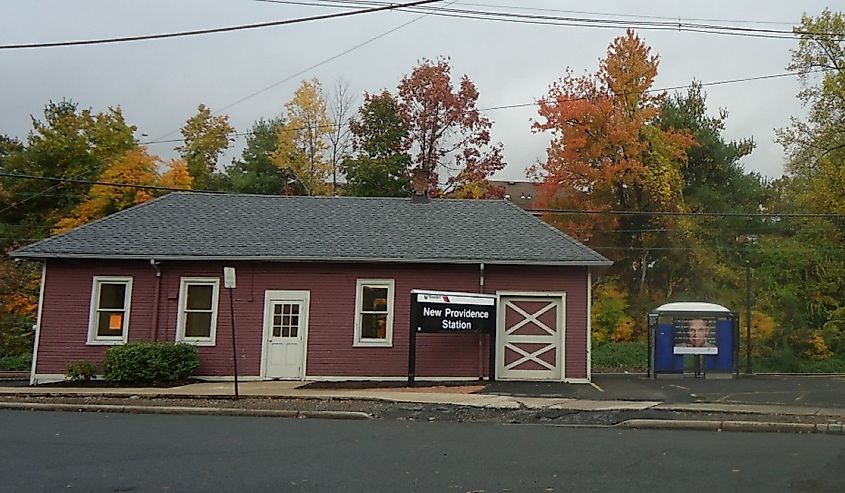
(589, 325)
(38, 325)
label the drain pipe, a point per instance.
(481, 336)
(154, 322)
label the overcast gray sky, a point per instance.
(159, 83)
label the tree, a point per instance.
(135, 167)
(66, 143)
(301, 142)
(379, 139)
(608, 152)
(449, 138)
(206, 136)
(255, 171)
(816, 147)
(339, 137)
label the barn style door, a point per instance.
(530, 338)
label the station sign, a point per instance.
(451, 312)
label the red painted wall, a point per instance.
(67, 296)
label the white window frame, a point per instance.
(184, 282)
(359, 301)
(93, 337)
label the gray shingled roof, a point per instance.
(198, 226)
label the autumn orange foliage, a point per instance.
(607, 151)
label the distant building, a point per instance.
(521, 193)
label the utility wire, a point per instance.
(215, 30)
(104, 183)
(532, 211)
(506, 106)
(661, 25)
(312, 67)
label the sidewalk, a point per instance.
(478, 396)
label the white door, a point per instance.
(530, 338)
(285, 330)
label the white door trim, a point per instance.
(282, 295)
(500, 321)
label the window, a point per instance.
(109, 319)
(374, 312)
(197, 321)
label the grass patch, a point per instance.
(20, 362)
(787, 362)
(620, 356)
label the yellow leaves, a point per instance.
(21, 304)
(134, 167)
(817, 347)
(177, 175)
(301, 142)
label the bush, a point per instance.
(620, 356)
(80, 371)
(21, 362)
(150, 362)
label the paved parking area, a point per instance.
(786, 390)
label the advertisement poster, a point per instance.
(695, 336)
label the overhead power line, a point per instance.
(573, 21)
(758, 215)
(312, 67)
(515, 105)
(215, 30)
(104, 183)
(532, 211)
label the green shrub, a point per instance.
(620, 356)
(80, 371)
(20, 362)
(150, 362)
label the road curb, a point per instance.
(202, 411)
(730, 425)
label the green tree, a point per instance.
(379, 140)
(255, 171)
(206, 136)
(816, 146)
(67, 143)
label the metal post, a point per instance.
(412, 344)
(234, 348)
(748, 317)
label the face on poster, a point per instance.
(695, 335)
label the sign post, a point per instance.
(445, 312)
(229, 282)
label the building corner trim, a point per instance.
(38, 324)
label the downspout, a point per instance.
(481, 336)
(38, 324)
(154, 322)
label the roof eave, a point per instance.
(571, 263)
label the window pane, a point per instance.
(112, 295)
(109, 323)
(277, 331)
(199, 296)
(294, 309)
(198, 325)
(373, 326)
(375, 299)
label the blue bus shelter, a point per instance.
(693, 338)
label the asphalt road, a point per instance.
(44, 451)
